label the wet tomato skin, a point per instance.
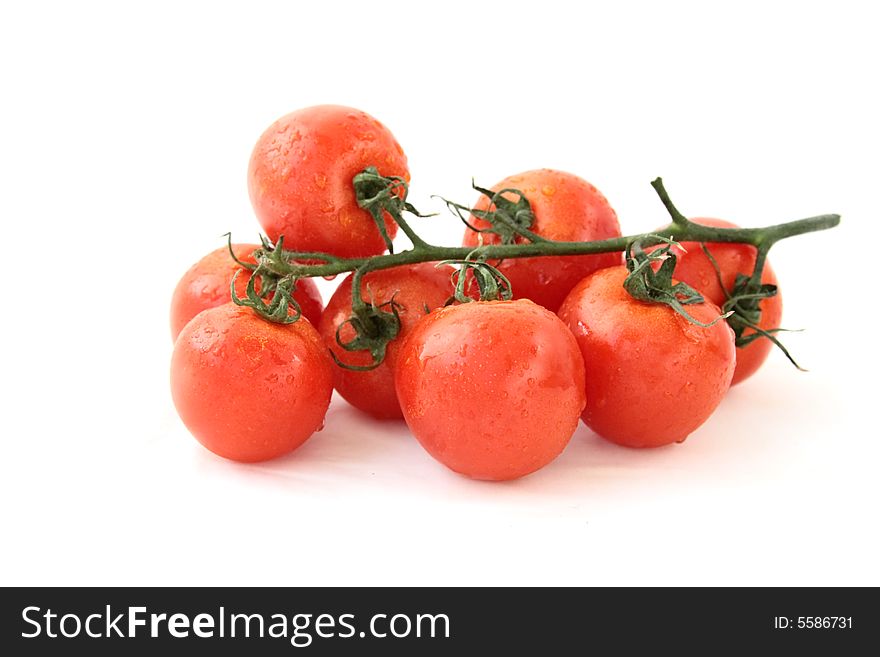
(695, 269)
(652, 377)
(412, 287)
(493, 390)
(566, 208)
(248, 389)
(206, 285)
(300, 179)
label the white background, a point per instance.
(124, 142)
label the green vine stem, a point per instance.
(690, 232)
(279, 269)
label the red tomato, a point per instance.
(492, 390)
(566, 208)
(695, 269)
(300, 179)
(206, 285)
(412, 287)
(249, 389)
(652, 377)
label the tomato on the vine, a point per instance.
(493, 390)
(696, 269)
(414, 291)
(565, 208)
(249, 389)
(300, 179)
(206, 285)
(652, 376)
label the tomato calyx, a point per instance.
(508, 219)
(378, 195)
(644, 283)
(273, 300)
(375, 325)
(743, 306)
(492, 285)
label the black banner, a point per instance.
(432, 621)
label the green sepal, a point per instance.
(492, 284)
(374, 326)
(509, 219)
(379, 194)
(645, 284)
(743, 309)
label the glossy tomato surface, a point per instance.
(695, 269)
(493, 390)
(300, 179)
(566, 208)
(413, 288)
(249, 389)
(206, 285)
(652, 377)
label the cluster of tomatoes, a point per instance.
(492, 389)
